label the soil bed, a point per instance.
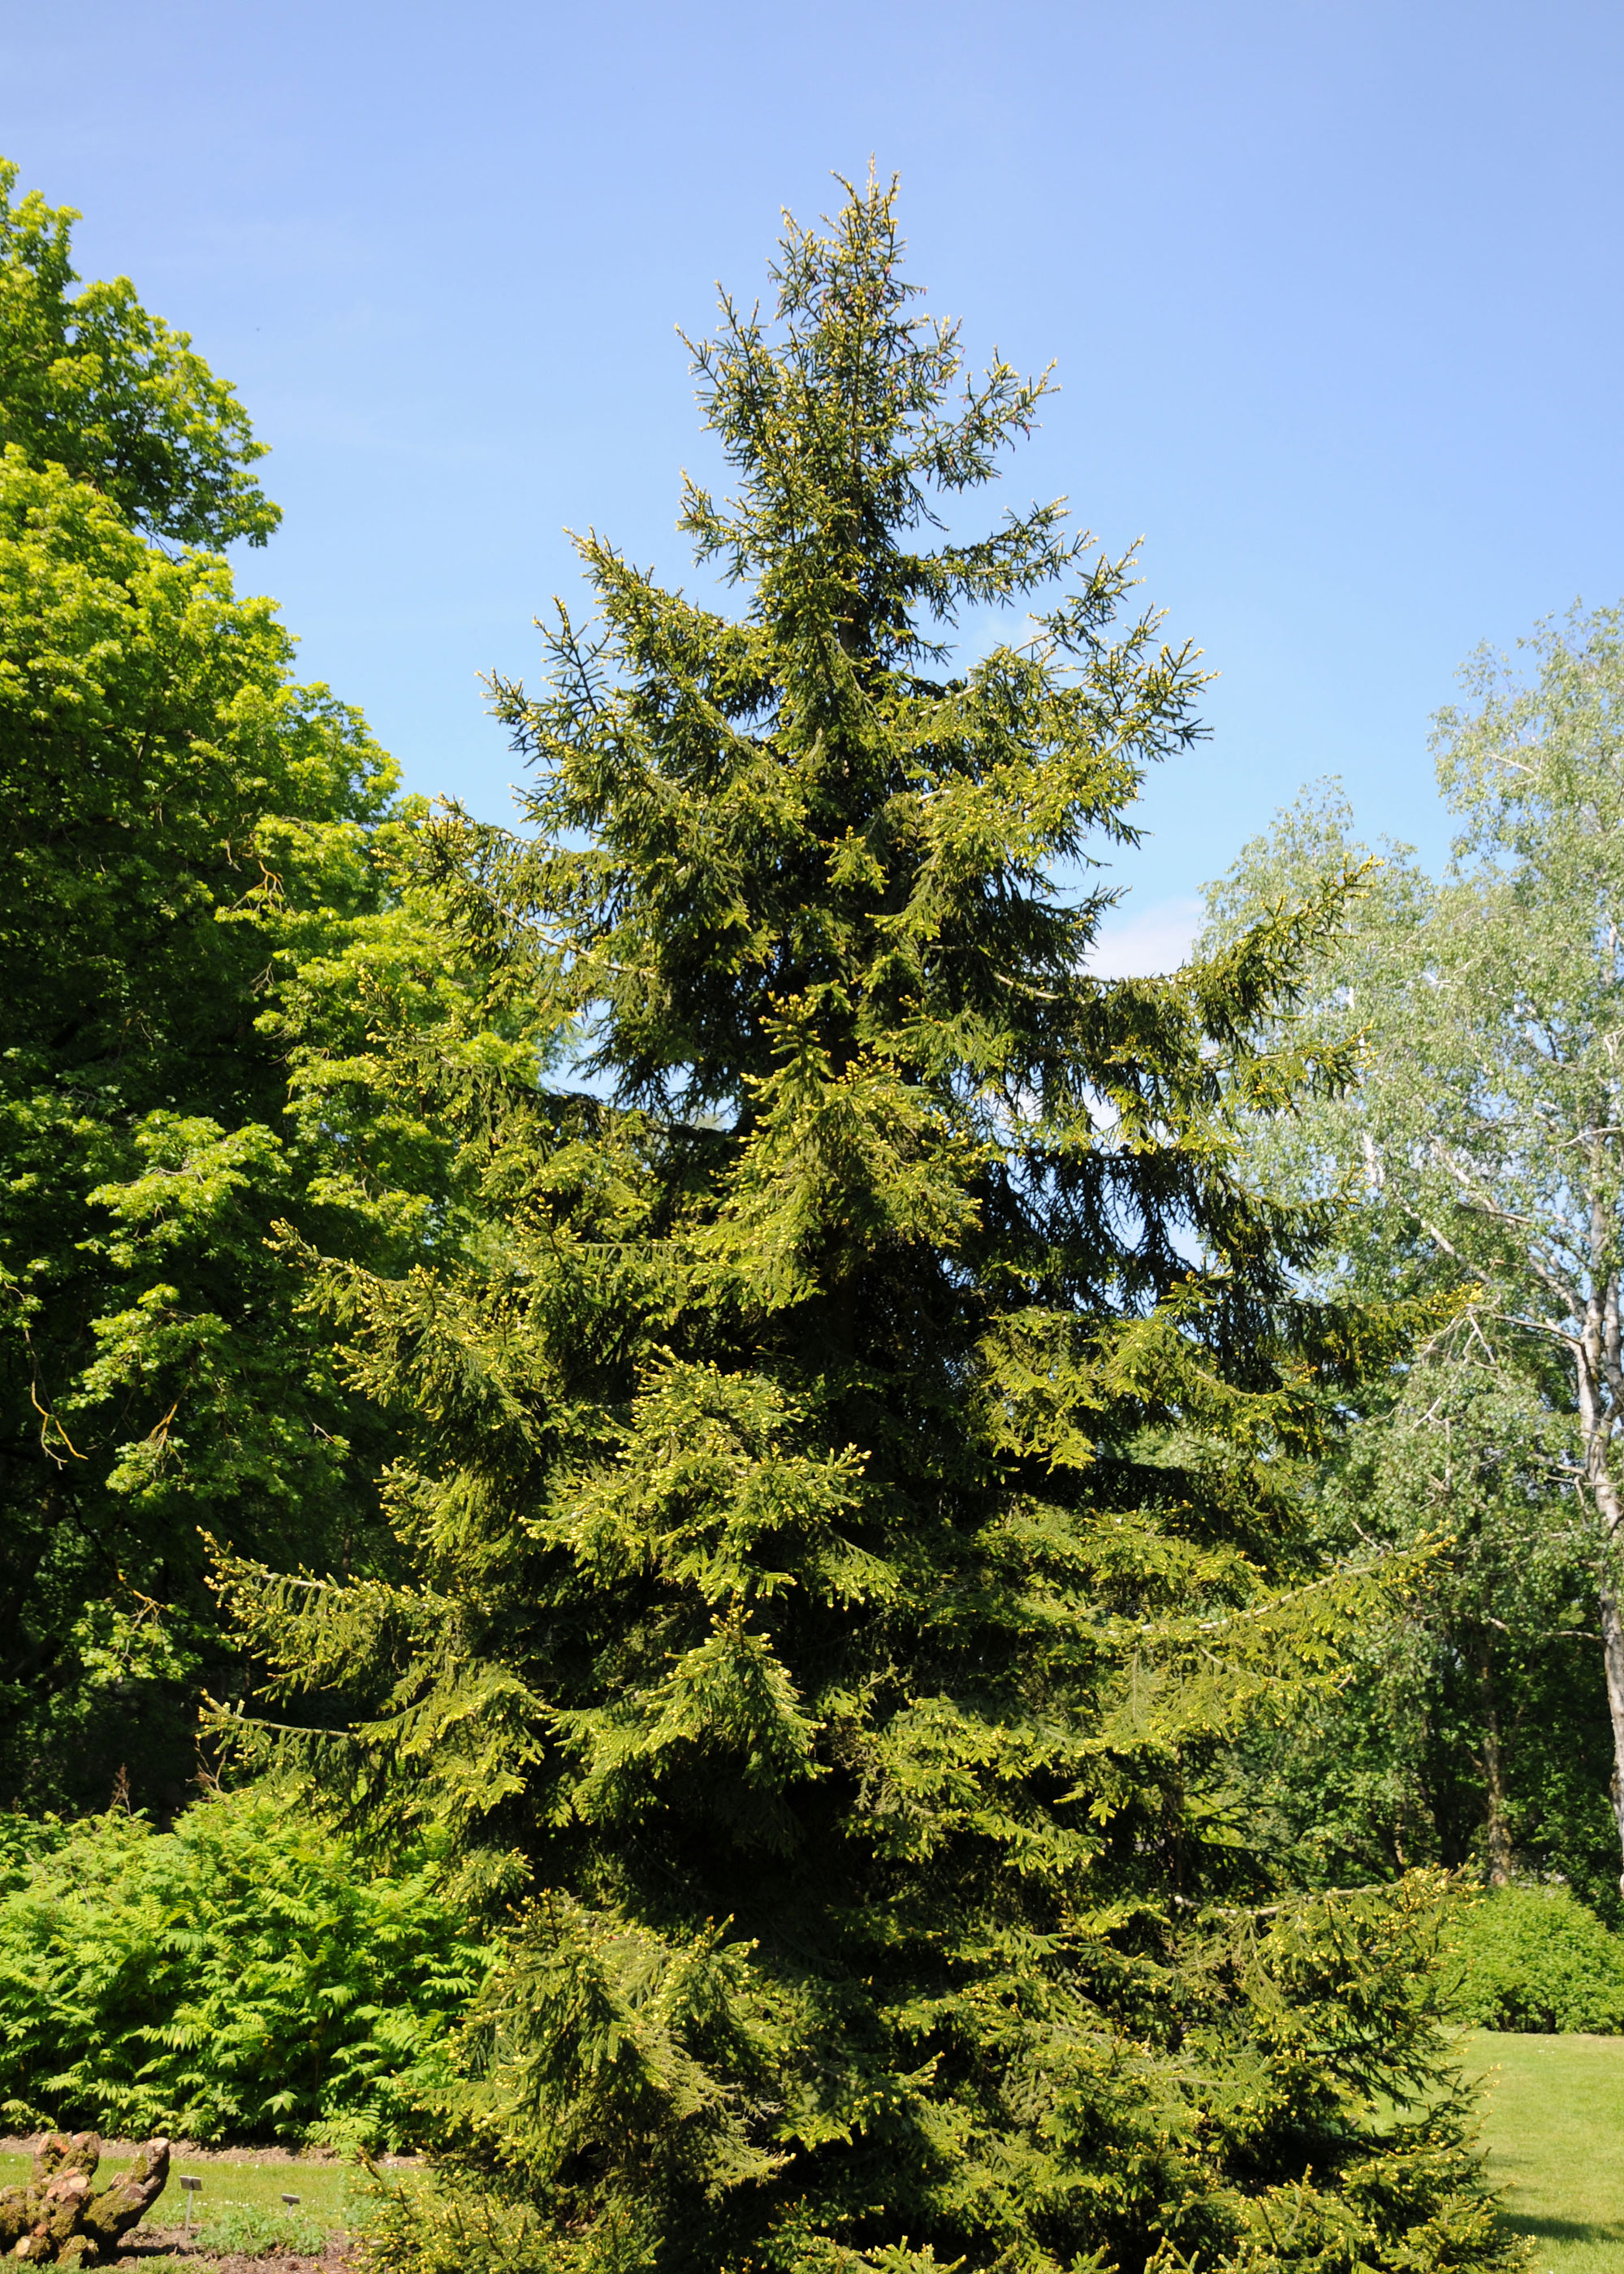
(114, 2151)
(146, 2248)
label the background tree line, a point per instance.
(922, 1543)
(1480, 1154)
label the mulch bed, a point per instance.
(187, 2151)
(146, 2248)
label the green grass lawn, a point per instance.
(1554, 2124)
(323, 2188)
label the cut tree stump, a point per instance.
(59, 2219)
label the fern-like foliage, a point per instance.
(243, 1976)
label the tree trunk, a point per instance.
(1499, 1831)
(1594, 1418)
(1612, 1654)
(59, 2219)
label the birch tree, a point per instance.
(1488, 1127)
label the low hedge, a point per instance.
(1534, 1958)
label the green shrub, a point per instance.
(1535, 1958)
(242, 1976)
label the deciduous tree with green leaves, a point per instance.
(1467, 1730)
(92, 382)
(203, 866)
(1486, 1131)
(847, 1481)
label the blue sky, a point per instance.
(1333, 289)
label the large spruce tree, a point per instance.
(851, 1428)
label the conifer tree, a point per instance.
(851, 1433)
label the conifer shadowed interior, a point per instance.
(850, 1438)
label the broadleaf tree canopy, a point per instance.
(94, 383)
(197, 887)
(1487, 1137)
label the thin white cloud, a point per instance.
(1153, 939)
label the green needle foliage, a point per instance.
(850, 1441)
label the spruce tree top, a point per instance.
(783, 857)
(791, 825)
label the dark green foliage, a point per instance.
(847, 1486)
(93, 383)
(245, 1977)
(1535, 1958)
(149, 731)
(1468, 1730)
(1389, 1773)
